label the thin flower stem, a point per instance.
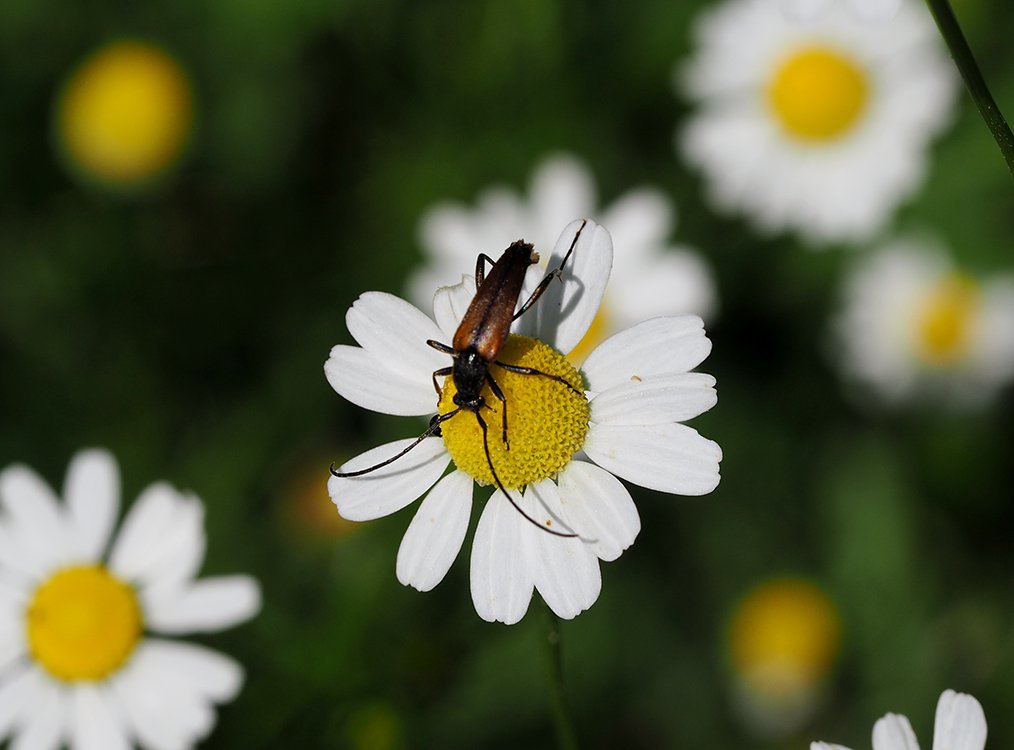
(566, 739)
(963, 58)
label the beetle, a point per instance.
(477, 343)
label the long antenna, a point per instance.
(434, 427)
(556, 273)
(573, 244)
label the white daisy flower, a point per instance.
(819, 126)
(77, 667)
(784, 639)
(621, 416)
(960, 725)
(651, 276)
(912, 325)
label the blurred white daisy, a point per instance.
(651, 276)
(819, 126)
(960, 725)
(784, 638)
(76, 665)
(622, 417)
(912, 325)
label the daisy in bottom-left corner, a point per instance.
(83, 657)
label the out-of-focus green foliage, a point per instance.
(185, 328)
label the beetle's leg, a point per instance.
(556, 273)
(480, 268)
(503, 400)
(539, 291)
(532, 371)
(442, 347)
(442, 372)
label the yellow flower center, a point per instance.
(546, 420)
(818, 94)
(125, 113)
(83, 623)
(597, 332)
(784, 636)
(946, 321)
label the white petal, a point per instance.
(804, 10)
(660, 346)
(155, 725)
(34, 517)
(960, 723)
(665, 457)
(893, 732)
(394, 332)
(21, 565)
(92, 493)
(436, 533)
(445, 231)
(876, 10)
(11, 650)
(391, 487)
(167, 690)
(212, 675)
(501, 576)
(208, 605)
(44, 721)
(639, 221)
(181, 550)
(656, 399)
(95, 720)
(153, 510)
(162, 540)
(599, 508)
(20, 689)
(566, 570)
(561, 189)
(12, 629)
(450, 303)
(366, 381)
(675, 281)
(566, 309)
(14, 591)
(826, 746)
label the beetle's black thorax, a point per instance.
(469, 376)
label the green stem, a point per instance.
(566, 739)
(963, 58)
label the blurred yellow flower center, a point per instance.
(125, 113)
(818, 94)
(597, 332)
(784, 636)
(546, 420)
(947, 319)
(83, 623)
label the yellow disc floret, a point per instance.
(83, 623)
(818, 94)
(125, 114)
(546, 420)
(947, 320)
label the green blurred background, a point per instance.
(185, 328)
